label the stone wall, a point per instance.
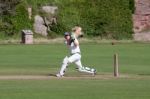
(142, 15)
(141, 20)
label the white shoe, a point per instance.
(94, 72)
(59, 75)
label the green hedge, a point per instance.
(20, 20)
(104, 18)
(13, 20)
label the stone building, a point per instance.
(141, 20)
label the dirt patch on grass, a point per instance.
(72, 76)
(23, 77)
(52, 76)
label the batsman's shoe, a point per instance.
(59, 75)
(94, 72)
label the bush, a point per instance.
(132, 5)
(104, 18)
(20, 20)
(14, 18)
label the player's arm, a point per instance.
(76, 42)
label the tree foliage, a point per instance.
(104, 18)
(14, 17)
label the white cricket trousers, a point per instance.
(75, 58)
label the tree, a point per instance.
(7, 9)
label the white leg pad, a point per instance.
(86, 70)
(64, 65)
(65, 61)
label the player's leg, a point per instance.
(63, 67)
(65, 63)
(84, 69)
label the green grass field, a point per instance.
(134, 63)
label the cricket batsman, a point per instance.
(71, 40)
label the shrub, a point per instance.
(105, 18)
(20, 20)
(14, 18)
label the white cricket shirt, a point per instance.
(73, 48)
